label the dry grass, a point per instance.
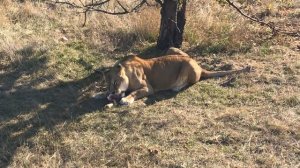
(48, 117)
(215, 32)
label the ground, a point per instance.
(49, 116)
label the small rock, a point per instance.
(109, 105)
(63, 39)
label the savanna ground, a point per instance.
(49, 117)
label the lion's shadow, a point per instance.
(163, 95)
(160, 96)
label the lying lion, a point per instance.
(143, 77)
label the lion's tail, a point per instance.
(213, 74)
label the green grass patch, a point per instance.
(74, 60)
(205, 94)
(265, 49)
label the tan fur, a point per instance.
(175, 51)
(145, 77)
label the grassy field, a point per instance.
(50, 118)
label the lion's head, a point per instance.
(117, 81)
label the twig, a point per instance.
(85, 16)
(137, 7)
(67, 3)
(293, 34)
(175, 24)
(81, 2)
(97, 4)
(125, 10)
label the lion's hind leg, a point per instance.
(182, 79)
(189, 75)
(179, 88)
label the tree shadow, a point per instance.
(151, 52)
(25, 110)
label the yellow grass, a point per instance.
(49, 117)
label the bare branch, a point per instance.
(107, 12)
(81, 2)
(85, 16)
(137, 7)
(97, 3)
(97, 7)
(125, 10)
(271, 25)
(68, 3)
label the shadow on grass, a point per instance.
(25, 110)
(151, 52)
(202, 50)
(160, 96)
(163, 95)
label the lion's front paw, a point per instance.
(127, 100)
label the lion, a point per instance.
(143, 77)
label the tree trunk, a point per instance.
(172, 24)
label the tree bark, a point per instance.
(172, 24)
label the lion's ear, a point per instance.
(120, 66)
(105, 71)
